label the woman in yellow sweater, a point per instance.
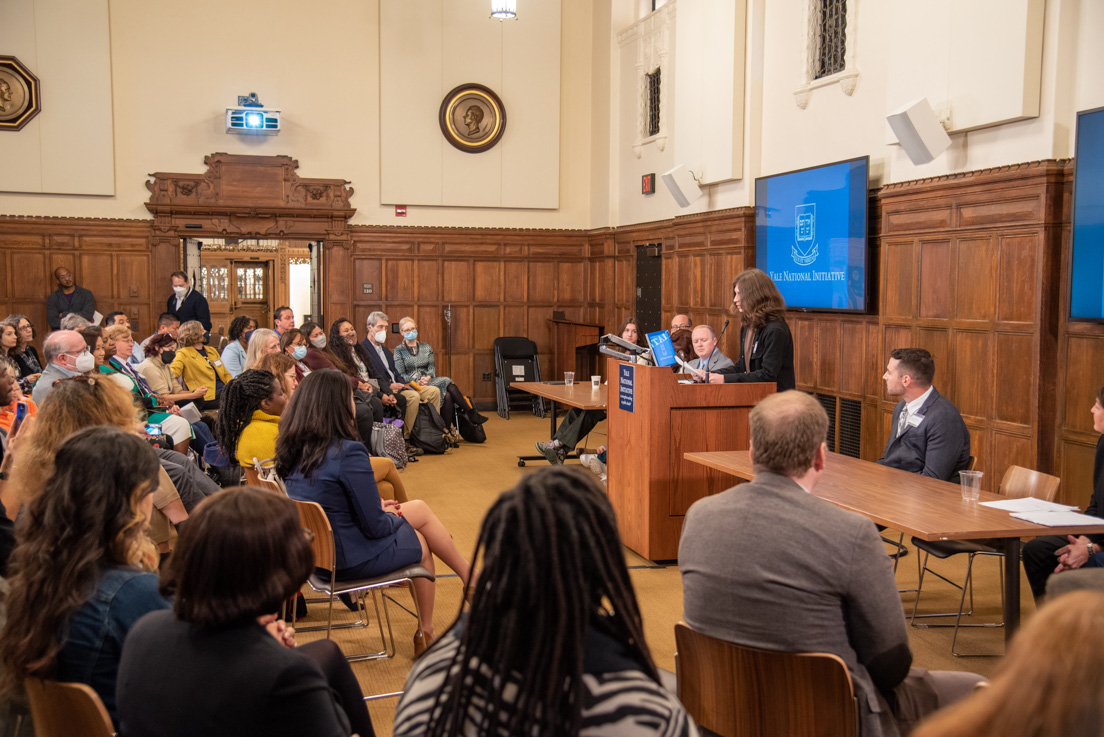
(249, 419)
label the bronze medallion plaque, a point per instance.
(472, 118)
(20, 95)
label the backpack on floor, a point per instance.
(470, 423)
(387, 442)
(428, 432)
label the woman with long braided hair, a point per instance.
(553, 643)
(248, 421)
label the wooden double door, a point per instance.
(236, 286)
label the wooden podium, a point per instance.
(650, 483)
(574, 348)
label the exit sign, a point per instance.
(647, 184)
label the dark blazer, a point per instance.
(378, 367)
(772, 358)
(345, 486)
(938, 447)
(194, 307)
(177, 679)
(57, 307)
(744, 582)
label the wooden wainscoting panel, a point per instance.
(486, 320)
(96, 271)
(488, 281)
(366, 271)
(515, 281)
(399, 284)
(1004, 212)
(1084, 376)
(877, 356)
(431, 325)
(132, 278)
(1008, 449)
(899, 278)
(853, 352)
(625, 279)
(540, 330)
(828, 354)
(873, 434)
(975, 295)
(515, 321)
(899, 220)
(428, 277)
(803, 331)
(973, 383)
(28, 274)
(457, 281)
(981, 448)
(936, 341)
(1012, 377)
(1018, 259)
(1075, 467)
(571, 282)
(542, 281)
(937, 282)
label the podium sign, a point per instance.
(625, 387)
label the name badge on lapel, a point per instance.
(914, 420)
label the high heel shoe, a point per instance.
(422, 641)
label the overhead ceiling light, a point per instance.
(504, 9)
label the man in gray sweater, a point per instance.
(768, 565)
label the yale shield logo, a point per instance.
(804, 251)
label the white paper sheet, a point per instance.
(1028, 504)
(1058, 519)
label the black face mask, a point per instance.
(167, 357)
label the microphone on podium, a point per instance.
(723, 328)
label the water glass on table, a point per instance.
(569, 378)
(971, 485)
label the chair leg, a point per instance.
(954, 640)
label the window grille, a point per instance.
(251, 282)
(213, 283)
(830, 31)
(653, 102)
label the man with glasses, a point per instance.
(66, 355)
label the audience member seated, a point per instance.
(415, 362)
(1054, 554)
(7, 411)
(66, 354)
(167, 322)
(138, 354)
(406, 397)
(249, 417)
(1048, 685)
(319, 355)
(233, 355)
(158, 410)
(282, 366)
(69, 299)
(350, 358)
(75, 404)
(220, 664)
(927, 435)
(321, 460)
(82, 573)
(160, 353)
(27, 355)
(554, 643)
(283, 319)
(14, 345)
(766, 345)
(199, 365)
(262, 342)
(8, 444)
(9, 349)
(191, 483)
(747, 575)
(578, 423)
(74, 322)
(294, 345)
(188, 304)
(680, 321)
(709, 359)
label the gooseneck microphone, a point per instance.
(723, 328)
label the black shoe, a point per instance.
(899, 553)
(300, 607)
(349, 602)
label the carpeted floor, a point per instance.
(462, 484)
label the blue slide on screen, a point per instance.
(810, 235)
(1087, 271)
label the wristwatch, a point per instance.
(1090, 547)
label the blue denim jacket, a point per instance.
(94, 642)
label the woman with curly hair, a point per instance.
(82, 573)
(766, 346)
(233, 355)
(553, 642)
(248, 421)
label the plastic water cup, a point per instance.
(971, 485)
(569, 378)
(595, 382)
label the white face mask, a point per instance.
(319, 342)
(85, 362)
(380, 336)
(180, 291)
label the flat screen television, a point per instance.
(810, 235)
(1087, 264)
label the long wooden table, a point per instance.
(581, 395)
(919, 506)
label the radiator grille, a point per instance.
(828, 402)
(850, 427)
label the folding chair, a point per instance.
(516, 360)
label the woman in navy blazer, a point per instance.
(321, 460)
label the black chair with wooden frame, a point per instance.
(67, 709)
(313, 519)
(739, 691)
(1018, 482)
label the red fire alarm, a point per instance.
(400, 211)
(647, 184)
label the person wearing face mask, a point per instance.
(350, 359)
(383, 365)
(198, 365)
(414, 360)
(66, 355)
(188, 304)
(155, 369)
(294, 344)
(233, 355)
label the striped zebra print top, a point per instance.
(616, 703)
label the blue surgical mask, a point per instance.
(299, 352)
(411, 335)
(247, 335)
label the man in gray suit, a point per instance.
(927, 435)
(768, 565)
(66, 355)
(709, 359)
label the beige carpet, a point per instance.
(462, 484)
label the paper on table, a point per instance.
(1028, 504)
(1058, 519)
(190, 413)
(96, 318)
(697, 372)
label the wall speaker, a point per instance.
(680, 181)
(919, 131)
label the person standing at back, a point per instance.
(927, 435)
(69, 298)
(188, 304)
